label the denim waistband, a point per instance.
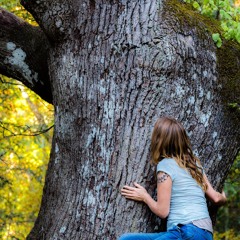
(180, 226)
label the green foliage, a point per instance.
(15, 7)
(217, 39)
(229, 234)
(234, 106)
(228, 221)
(226, 12)
(23, 157)
(196, 5)
(24, 154)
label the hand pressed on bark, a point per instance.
(137, 193)
(215, 197)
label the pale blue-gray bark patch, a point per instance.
(17, 59)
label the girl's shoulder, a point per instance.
(168, 161)
(168, 165)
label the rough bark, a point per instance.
(23, 54)
(56, 18)
(115, 67)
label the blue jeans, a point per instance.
(183, 232)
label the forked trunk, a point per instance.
(115, 67)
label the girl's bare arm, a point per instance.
(214, 196)
(162, 205)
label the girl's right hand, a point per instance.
(224, 196)
(137, 193)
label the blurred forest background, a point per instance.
(26, 123)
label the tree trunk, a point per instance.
(115, 67)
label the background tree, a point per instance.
(114, 67)
(228, 222)
(24, 150)
(23, 159)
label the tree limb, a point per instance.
(23, 54)
(54, 17)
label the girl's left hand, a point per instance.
(137, 193)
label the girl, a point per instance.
(181, 187)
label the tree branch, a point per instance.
(23, 54)
(54, 17)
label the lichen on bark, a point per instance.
(119, 67)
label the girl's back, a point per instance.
(188, 200)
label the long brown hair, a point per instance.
(169, 140)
